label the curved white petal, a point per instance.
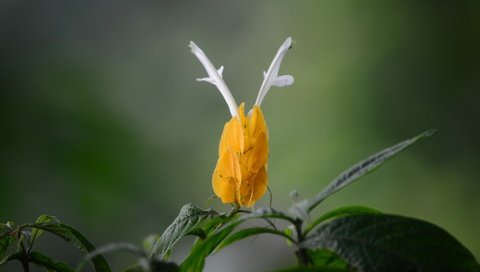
(215, 78)
(283, 81)
(271, 77)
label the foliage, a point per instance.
(352, 238)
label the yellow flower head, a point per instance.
(240, 176)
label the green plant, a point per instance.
(352, 238)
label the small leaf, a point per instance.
(43, 261)
(44, 218)
(379, 242)
(4, 243)
(11, 257)
(300, 211)
(190, 217)
(290, 232)
(149, 242)
(364, 167)
(341, 212)
(11, 225)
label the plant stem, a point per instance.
(25, 260)
(301, 253)
(26, 266)
(302, 257)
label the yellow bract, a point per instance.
(240, 176)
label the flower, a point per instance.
(240, 176)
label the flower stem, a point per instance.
(25, 259)
(301, 253)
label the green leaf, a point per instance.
(153, 266)
(195, 261)
(43, 261)
(245, 233)
(189, 218)
(199, 232)
(149, 242)
(13, 256)
(364, 167)
(379, 242)
(326, 258)
(4, 243)
(44, 218)
(340, 212)
(114, 247)
(75, 238)
(160, 266)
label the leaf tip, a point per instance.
(429, 132)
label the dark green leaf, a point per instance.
(364, 167)
(341, 212)
(200, 233)
(76, 239)
(44, 218)
(196, 259)
(13, 256)
(326, 258)
(4, 243)
(190, 217)
(43, 261)
(245, 233)
(153, 266)
(214, 224)
(160, 266)
(5, 234)
(392, 243)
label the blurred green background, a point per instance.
(104, 125)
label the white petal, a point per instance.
(206, 79)
(283, 81)
(271, 78)
(215, 77)
(220, 71)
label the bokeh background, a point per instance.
(104, 125)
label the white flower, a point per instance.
(271, 77)
(215, 77)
